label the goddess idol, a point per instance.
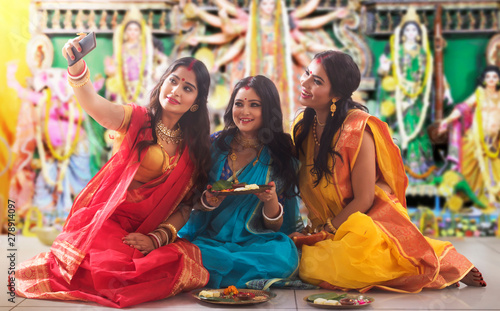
(130, 70)
(475, 137)
(405, 94)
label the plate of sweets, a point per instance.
(228, 188)
(232, 296)
(338, 301)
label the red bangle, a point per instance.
(155, 239)
(78, 76)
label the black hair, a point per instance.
(270, 134)
(490, 68)
(195, 125)
(344, 77)
(133, 22)
(419, 30)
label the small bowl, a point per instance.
(46, 235)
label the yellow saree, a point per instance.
(382, 248)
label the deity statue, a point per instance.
(475, 137)
(53, 153)
(405, 95)
(130, 70)
(267, 40)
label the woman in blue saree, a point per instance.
(245, 237)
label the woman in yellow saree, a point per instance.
(353, 183)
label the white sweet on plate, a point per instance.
(320, 301)
(209, 294)
(247, 187)
(332, 302)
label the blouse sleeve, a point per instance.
(126, 120)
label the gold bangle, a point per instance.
(172, 229)
(79, 83)
(330, 226)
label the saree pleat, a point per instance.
(235, 245)
(89, 262)
(381, 248)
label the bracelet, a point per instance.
(76, 84)
(81, 74)
(208, 208)
(273, 220)
(166, 235)
(329, 224)
(155, 239)
(172, 229)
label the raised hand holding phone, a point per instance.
(74, 50)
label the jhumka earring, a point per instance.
(403, 38)
(484, 83)
(193, 108)
(333, 107)
(418, 38)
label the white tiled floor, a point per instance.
(483, 252)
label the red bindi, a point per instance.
(247, 87)
(245, 98)
(183, 79)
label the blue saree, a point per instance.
(235, 246)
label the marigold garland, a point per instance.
(478, 152)
(479, 120)
(52, 149)
(420, 176)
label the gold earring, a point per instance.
(333, 107)
(403, 38)
(193, 108)
(418, 38)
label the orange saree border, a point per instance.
(433, 270)
(193, 273)
(68, 258)
(36, 280)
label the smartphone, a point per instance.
(87, 44)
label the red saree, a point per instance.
(89, 262)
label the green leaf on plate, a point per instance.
(222, 185)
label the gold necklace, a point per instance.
(247, 143)
(320, 124)
(316, 141)
(234, 157)
(169, 136)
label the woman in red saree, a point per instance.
(353, 183)
(118, 246)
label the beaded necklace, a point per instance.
(315, 135)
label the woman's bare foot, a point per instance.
(474, 278)
(454, 285)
